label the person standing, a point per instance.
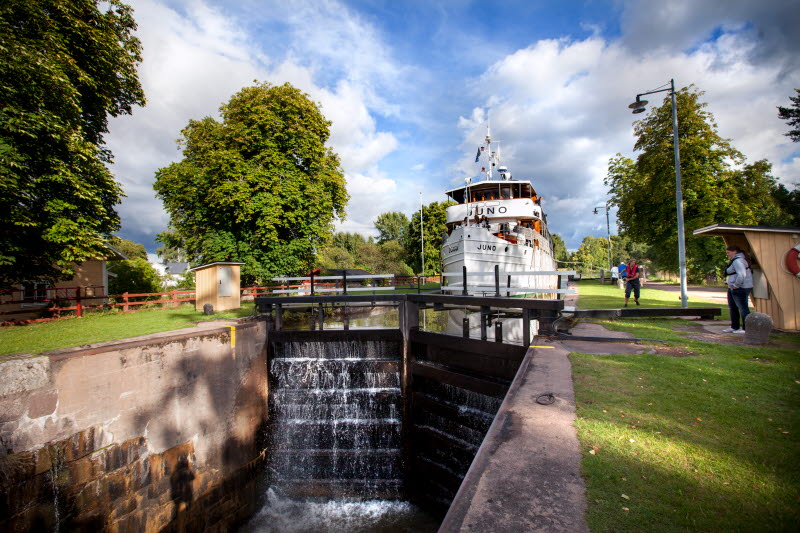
(622, 271)
(740, 285)
(633, 283)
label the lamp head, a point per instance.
(595, 211)
(638, 105)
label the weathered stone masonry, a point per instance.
(160, 433)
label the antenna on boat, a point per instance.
(489, 149)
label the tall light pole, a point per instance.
(422, 237)
(638, 107)
(608, 229)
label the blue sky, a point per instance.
(408, 86)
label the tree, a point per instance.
(593, 252)
(135, 276)
(259, 187)
(560, 249)
(434, 226)
(65, 67)
(132, 250)
(789, 201)
(713, 190)
(391, 226)
(792, 116)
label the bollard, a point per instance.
(757, 328)
(208, 309)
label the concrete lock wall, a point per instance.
(157, 434)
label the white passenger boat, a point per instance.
(497, 221)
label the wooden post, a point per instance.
(174, 299)
(464, 277)
(497, 281)
(78, 306)
(344, 281)
(124, 302)
(498, 331)
(485, 310)
(279, 317)
(526, 327)
(312, 283)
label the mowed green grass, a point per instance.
(101, 327)
(594, 295)
(703, 437)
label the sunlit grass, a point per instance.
(594, 295)
(707, 442)
(101, 327)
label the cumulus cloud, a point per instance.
(196, 56)
(558, 110)
(557, 105)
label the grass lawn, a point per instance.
(594, 295)
(101, 327)
(704, 437)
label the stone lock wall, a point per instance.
(160, 433)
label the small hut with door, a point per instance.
(774, 251)
(217, 284)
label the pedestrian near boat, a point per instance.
(740, 285)
(633, 283)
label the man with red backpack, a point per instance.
(633, 276)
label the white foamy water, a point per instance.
(283, 515)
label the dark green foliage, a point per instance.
(561, 253)
(132, 250)
(434, 226)
(135, 276)
(65, 67)
(714, 191)
(391, 226)
(259, 187)
(792, 116)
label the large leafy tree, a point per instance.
(714, 191)
(65, 67)
(259, 187)
(559, 248)
(792, 116)
(434, 222)
(391, 226)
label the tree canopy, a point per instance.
(792, 116)
(391, 226)
(259, 187)
(65, 67)
(718, 187)
(434, 226)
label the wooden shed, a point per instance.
(776, 291)
(217, 284)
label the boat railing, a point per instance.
(311, 284)
(481, 286)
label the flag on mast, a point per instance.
(478, 155)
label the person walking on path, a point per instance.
(740, 285)
(633, 283)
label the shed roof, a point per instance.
(215, 263)
(733, 229)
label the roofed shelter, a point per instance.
(217, 284)
(776, 290)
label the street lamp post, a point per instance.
(422, 237)
(638, 107)
(608, 229)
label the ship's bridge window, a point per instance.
(505, 192)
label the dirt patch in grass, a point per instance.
(673, 351)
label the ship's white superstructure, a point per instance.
(496, 221)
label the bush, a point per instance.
(134, 276)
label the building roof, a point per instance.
(215, 263)
(733, 229)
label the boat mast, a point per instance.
(489, 150)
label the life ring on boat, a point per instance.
(791, 261)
